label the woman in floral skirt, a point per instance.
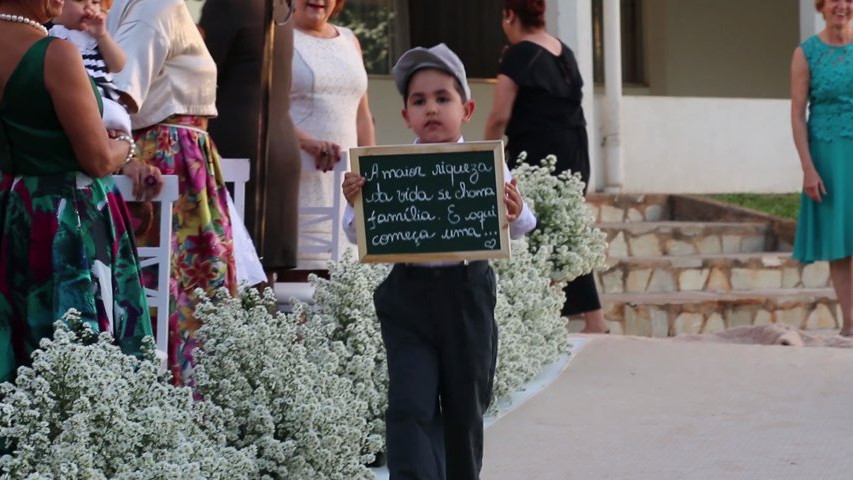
(169, 83)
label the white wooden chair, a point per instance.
(237, 171)
(313, 243)
(161, 255)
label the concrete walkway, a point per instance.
(635, 408)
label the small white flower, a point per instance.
(89, 411)
(564, 225)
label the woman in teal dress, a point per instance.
(822, 78)
(64, 241)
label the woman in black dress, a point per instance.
(538, 106)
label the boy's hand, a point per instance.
(512, 199)
(94, 23)
(352, 187)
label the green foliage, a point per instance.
(785, 205)
(372, 25)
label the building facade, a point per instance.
(681, 95)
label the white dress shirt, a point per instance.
(522, 225)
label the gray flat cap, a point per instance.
(439, 57)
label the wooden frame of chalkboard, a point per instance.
(431, 202)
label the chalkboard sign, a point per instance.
(431, 202)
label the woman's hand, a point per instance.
(512, 199)
(813, 185)
(326, 154)
(352, 187)
(147, 180)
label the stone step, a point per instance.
(655, 239)
(614, 208)
(722, 272)
(669, 314)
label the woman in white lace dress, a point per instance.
(330, 111)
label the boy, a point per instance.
(437, 319)
(83, 23)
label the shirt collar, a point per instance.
(461, 140)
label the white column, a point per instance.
(611, 130)
(811, 22)
(571, 22)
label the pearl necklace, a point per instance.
(21, 19)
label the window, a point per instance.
(374, 23)
(387, 28)
(633, 59)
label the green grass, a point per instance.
(785, 205)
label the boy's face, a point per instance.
(434, 109)
(74, 11)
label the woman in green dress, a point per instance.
(64, 241)
(822, 79)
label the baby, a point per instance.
(83, 23)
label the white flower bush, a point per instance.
(531, 332)
(345, 303)
(277, 378)
(84, 410)
(299, 395)
(564, 245)
(564, 225)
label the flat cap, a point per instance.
(439, 57)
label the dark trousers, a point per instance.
(439, 331)
(581, 296)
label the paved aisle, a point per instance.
(636, 409)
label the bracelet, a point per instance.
(131, 153)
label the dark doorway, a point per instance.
(472, 29)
